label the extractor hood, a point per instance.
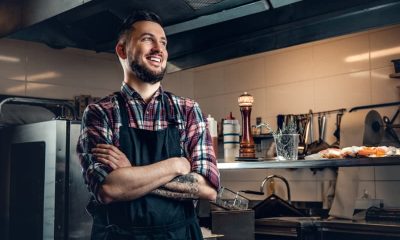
(199, 31)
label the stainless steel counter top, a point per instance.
(321, 163)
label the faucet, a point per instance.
(264, 124)
(266, 179)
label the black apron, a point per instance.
(149, 217)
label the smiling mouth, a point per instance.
(154, 59)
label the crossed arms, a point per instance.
(169, 178)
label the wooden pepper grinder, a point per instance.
(247, 149)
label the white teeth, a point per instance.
(155, 59)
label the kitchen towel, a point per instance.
(231, 131)
(361, 128)
(345, 193)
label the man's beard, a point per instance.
(145, 74)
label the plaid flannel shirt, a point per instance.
(101, 122)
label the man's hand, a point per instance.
(111, 156)
(182, 164)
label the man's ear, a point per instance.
(120, 50)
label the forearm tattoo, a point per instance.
(182, 187)
(174, 195)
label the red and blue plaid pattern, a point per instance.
(101, 122)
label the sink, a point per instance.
(312, 209)
(307, 209)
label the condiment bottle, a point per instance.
(213, 128)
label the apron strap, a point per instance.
(122, 110)
(170, 116)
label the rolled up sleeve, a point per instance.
(94, 130)
(200, 148)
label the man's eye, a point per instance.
(146, 39)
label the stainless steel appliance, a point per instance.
(233, 224)
(42, 191)
(285, 228)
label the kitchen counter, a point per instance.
(315, 228)
(365, 229)
(320, 163)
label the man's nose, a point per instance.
(158, 47)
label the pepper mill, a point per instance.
(247, 149)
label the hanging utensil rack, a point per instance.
(339, 110)
(389, 104)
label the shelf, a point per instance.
(322, 163)
(263, 136)
(255, 137)
(395, 75)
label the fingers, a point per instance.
(107, 162)
(107, 149)
(111, 156)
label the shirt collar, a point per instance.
(130, 93)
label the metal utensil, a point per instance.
(319, 144)
(389, 129)
(308, 139)
(336, 144)
(323, 128)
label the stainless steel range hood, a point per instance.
(199, 31)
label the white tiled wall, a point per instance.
(342, 72)
(35, 70)
(336, 73)
(342, 91)
(288, 66)
(181, 83)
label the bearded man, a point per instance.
(146, 154)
